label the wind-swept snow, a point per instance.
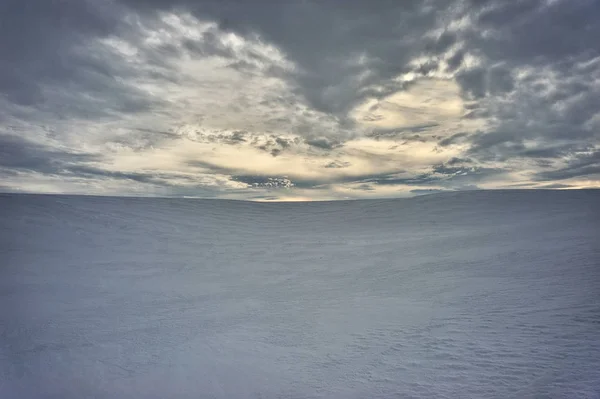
(475, 294)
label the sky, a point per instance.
(298, 100)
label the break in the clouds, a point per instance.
(298, 99)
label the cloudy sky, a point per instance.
(298, 99)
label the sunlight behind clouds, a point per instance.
(424, 102)
(204, 99)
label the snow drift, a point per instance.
(474, 294)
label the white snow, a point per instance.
(461, 295)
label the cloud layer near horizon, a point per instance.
(298, 100)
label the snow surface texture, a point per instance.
(475, 294)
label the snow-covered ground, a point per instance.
(474, 294)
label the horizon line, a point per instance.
(187, 197)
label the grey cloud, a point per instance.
(455, 138)
(500, 81)
(441, 43)
(455, 61)
(549, 152)
(414, 137)
(551, 39)
(449, 176)
(271, 146)
(501, 13)
(48, 62)
(234, 137)
(17, 153)
(505, 145)
(402, 133)
(155, 178)
(212, 167)
(534, 31)
(472, 82)
(264, 181)
(428, 67)
(264, 198)
(324, 37)
(496, 145)
(453, 169)
(238, 136)
(20, 155)
(284, 143)
(337, 165)
(479, 82)
(394, 179)
(457, 161)
(365, 187)
(323, 143)
(275, 145)
(142, 139)
(37, 39)
(586, 165)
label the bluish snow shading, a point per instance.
(475, 294)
